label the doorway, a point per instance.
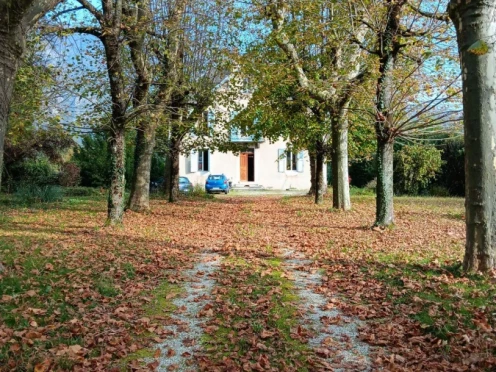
(247, 166)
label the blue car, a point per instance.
(184, 184)
(217, 183)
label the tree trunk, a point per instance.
(312, 174)
(16, 19)
(475, 25)
(319, 174)
(384, 191)
(117, 180)
(339, 161)
(167, 175)
(139, 200)
(10, 53)
(174, 173)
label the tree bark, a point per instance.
(17, 17)
(319, 174)
(384, 128)
(10, 54)
(174, 173)
(139, 200)
(167, 175)
(384, 191)
(174, 153)
(339, 161)
(475, 24)
(312, 174)
(117, 179)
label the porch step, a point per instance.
(245, 186)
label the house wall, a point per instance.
(266, 168)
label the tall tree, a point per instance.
(337, 72)
(475, 25)
(403, 46)
(166, 33)
(17, 17)
(115, 24)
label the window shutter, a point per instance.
(210, 118)
(281, 159)
(299, 162)
(193, 168)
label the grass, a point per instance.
(69, 275)
(250, 285)
(441, 307)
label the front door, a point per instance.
(243, 166)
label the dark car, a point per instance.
(184, 184)
(217, 183)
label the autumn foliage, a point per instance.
(76, 296)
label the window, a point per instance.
(198, 160)
(289, 161)
(203, 160)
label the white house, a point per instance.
(263, 165)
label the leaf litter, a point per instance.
(334, 336)
(73, 295)
(184, 327)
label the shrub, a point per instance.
(440, 191)
(452, 175)
(39, 171)
(30, 194)
(93, 160)
(82, 191)
(362, 172)
(361, 191)
(415, 167)
(198, 191)
(69, 175)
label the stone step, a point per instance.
(246, 186)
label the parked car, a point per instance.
(185, 185)
(155, 186)
(217, 183)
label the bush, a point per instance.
(361, 191)
(362, 172)
(415, 167)
(30, 194)
(39, 172)
(440, 191)
(198, 191)
(452, 175)
(82, 191)
(92, 158)
(70, 175)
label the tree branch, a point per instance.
(73, 30)
(90, 8)
(439, 16)
(276, 12)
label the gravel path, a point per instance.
(192, 311)
(334, 335)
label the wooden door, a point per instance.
(243, 157)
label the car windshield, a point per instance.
(183, 180)
(214, 177)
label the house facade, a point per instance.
(262, 165)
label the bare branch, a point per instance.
(90, 8)
(439, 16)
